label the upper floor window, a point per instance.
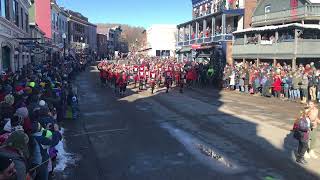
(5, 12)
(3, 8)
(15, 12)
(27, 22)
(22, 21)
(267, 9)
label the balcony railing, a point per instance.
(279, 50)
(210, 39)
(287, 15)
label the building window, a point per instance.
(27, 22)
(3, 8)
(267, 9)
(57, 22)
(15, 12)
(158, 53)
(52, 19)
(5, 11)
(21, 15)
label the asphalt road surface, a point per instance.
(202, 134)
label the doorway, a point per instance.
(6, 58)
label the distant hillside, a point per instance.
(130, 33)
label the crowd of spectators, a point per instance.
(281, 81)
(34, 100)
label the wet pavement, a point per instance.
(201, 134)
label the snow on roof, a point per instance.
(306, 26)
(314, 1)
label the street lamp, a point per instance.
(64, 37)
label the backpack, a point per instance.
(304, 125)
(300, 128)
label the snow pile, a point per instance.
(63, 159)
(204, 152)
(315, 1)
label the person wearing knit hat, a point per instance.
(19, 141)
(7, 168)
(32, 84)
(22, 112)
(8, 89)
(9, 99)
(16, 148)
(28, 90)
(42, 103)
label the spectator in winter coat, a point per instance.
(23, 113)
(16, 148)
(296, 83)
(45, 118)
(277, 86)
(7, 169)
(6, 110)
(256, 84)
(41, 140)
(313, 87)
(304, 87)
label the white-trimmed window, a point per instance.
(267, 9)
(15, 10)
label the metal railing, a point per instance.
(285, 15)
(283, 49)
(216, 38)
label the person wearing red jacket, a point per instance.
(141, 79)
(168, 79)
(277, 86)
(122, 82)
(153, 77)
(117, 80)
(135, 79)
(110, 77)
(179, 81)
(135, 68)
(189, 77)
(177, 77)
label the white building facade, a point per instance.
(161, 39)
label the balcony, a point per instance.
(212, 39)
(311, 12)
(280, 50)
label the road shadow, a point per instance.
(138, 151)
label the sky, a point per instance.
(133, 12)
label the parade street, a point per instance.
(201, 134)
